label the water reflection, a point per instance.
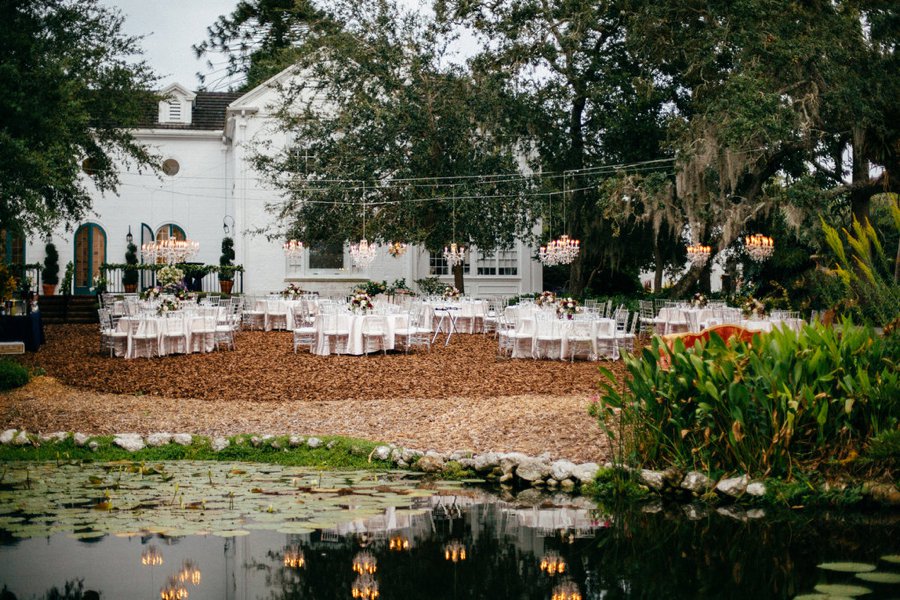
(471, 545)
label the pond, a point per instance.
(246, 531)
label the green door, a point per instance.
(90, 253)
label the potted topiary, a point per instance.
(226, 267)
(130, 276)
(50, 273)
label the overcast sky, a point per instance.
(171, 27)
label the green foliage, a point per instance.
(866, 271)
(787, 400)
(885, 447)
(616, 483)
(12, 375)
(373, 288)
(130, 276)
(431, 286)
(68, 278)
(225, 260)
(72, 86)
(50, 274)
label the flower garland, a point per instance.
(361, 302)
(451, 293)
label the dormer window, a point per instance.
(176, 105)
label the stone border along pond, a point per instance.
(509, 469)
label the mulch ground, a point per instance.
(462, 396)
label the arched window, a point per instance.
(90, 253)
(170, 232)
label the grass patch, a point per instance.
(345, 453)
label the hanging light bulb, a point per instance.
(759, 247)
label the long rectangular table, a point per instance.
(28, 329)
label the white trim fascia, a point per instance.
(188, 94)
(212, 134)
(246, 101)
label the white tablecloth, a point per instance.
(529, 325)
(468, 315)
(279, 306)
(354, 323)
(192, 322)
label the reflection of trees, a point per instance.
(72, 590)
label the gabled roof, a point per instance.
(251, 98)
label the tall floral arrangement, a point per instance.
(169, 275)
(361, 302)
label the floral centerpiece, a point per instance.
(361, 302)
(567, 307)
(292, 291)
(396, 249)
(169, 275)
(753, 308)
(699, 301)
(151, 293)
(545, 299)
(168, 305)
(451, 293)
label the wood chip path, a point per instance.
(457, 397)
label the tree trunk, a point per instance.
(658, 263)
(860, 198)
(897, 265)
(458, 282)
(577, 274)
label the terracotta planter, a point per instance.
(49, 289)
(226, 285)
(130, 288)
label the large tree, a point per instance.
(389, 134)
(70, 86)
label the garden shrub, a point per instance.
(12, 375)
(786, 400)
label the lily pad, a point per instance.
(847, 567)
(879, 577)
(837, 589)
(231, 533)
(891, 558)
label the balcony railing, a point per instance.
(198, 278)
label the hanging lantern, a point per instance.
(759, 247)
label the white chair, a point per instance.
(145, 341)
(547, 339)
(304, 334)
(605, 341)
(251, 315)
(374, 334)
(276, 314)
(336, 332)
(110, 337)
(625, 338)
(174, 334)
(203, 333)
(580, 339)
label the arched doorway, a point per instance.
(90, 253)
(169, 231)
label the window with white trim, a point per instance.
(437, 264)
(501, 262)
(327, 256)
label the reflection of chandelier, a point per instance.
(293, 249)
(553, 564)
(293, 558)
(398, 543)
(173, 590)
(698, 254)
(454, 255)
(364, 563)
(566, 590)
(759, 246)
(363, 253)
(151, 557)
(560, 252)
(397, 249)
(365, 588)
(454, 552)
(189, 573)
(170, 250)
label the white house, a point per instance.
(209, 189)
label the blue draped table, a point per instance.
(28, 329)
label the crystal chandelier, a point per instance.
(398, 543)
(365, 588)
(397, 249)
(698, 254)
(190, 573)
(171, 250)
(454, 255)
(151, 557)
(759, 247)
(454, 552)
(364, 563)
(560, 252)
(567, 590)
(293, 558)
(173, 590)
(363, 253)
(553, 564)
(293, 248)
